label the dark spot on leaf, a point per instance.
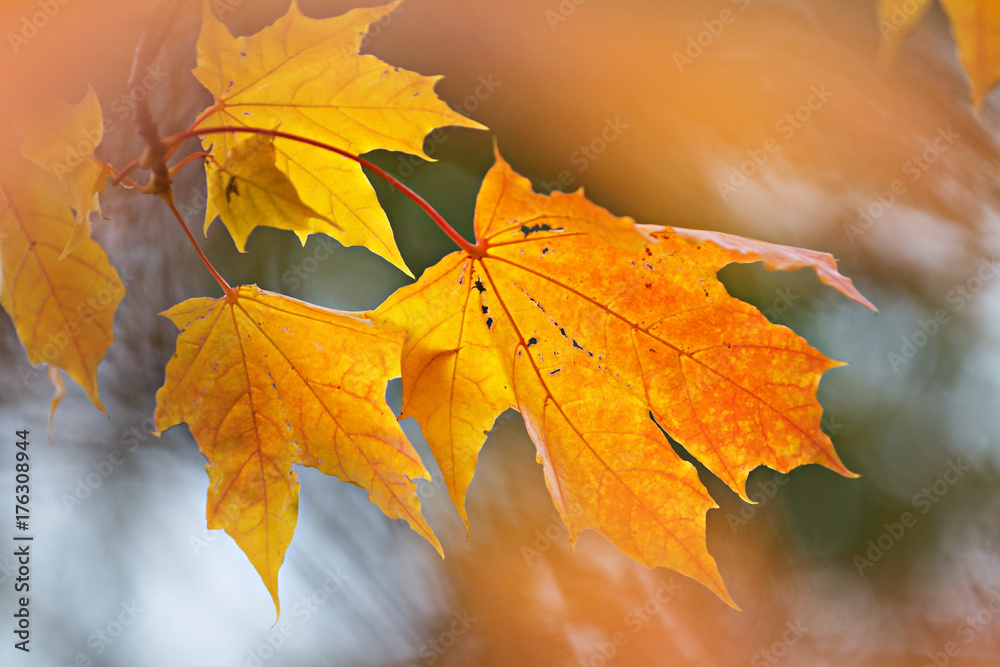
(489, 323)
(555, 371)
(541, 227)
(479, 285)
(532, 341)
(537, 304)
(545, 250)
(231, 188)
(486, 309)
(563, 332)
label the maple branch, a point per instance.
(211, 269)
(150, 41)
(472, 250)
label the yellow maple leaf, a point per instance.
(588, 340)
(265, 382)
(62, 309)
(975, 25)
(247, 187)
(305, 77)
(61, 139)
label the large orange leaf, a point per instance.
(62, 308)
(305, 76)
(265, 382)
(587, 340)
(975, 25)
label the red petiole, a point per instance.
(474, 251)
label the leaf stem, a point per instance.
(230, 294)
(472, 250)
(190, 158)
(126, 170)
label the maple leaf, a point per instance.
(62, 308)
(61, 139)
(588, 341)
(265, 382)
(975, 25)
(305, 77)
(247, 186)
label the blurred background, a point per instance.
(764, 118)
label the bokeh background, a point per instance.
(821, 570)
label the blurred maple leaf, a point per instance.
(975, 25)
(58, 286)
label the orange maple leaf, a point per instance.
(588, 340)
(305, 76)
(264, 382)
